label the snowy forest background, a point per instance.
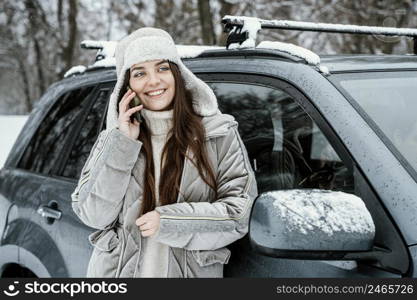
(40, 38)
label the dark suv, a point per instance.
(347, 126)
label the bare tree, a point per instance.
(41, 50)
(15, 53)
(206, 21)
(398, 13)
(35, 19)
(68, 49)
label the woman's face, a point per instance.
(154, 83)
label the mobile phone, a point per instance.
(133, 103)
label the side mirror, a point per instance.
(311, 224)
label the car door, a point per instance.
(67, 231)
(38, 209)
(291, 146)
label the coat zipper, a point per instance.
(122, 251)
(185, 264)
(178, 199)
(120, 260)
(183, 172)
(137, 261)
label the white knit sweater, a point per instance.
(155, 255)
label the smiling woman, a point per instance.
(170, 192)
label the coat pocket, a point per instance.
(208, 257)
(106, 256)
(205, 263)
(104, 240)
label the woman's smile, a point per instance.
(154, 83)
(156, 93)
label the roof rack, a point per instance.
(242, 34)
(241, 29)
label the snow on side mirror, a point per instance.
(311, 224)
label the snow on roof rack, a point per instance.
(238, 33)
(242, 34)
(75, 70)
(104, 56)
(106, 51)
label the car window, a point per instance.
(47, 145)
(87, 135)
(379, 93)
(286, 147)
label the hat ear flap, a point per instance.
(204, 99)
(112, 115)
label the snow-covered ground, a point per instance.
(10, 127)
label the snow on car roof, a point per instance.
(309, 56)
(190, 51)
(75, 70)
(106, 52)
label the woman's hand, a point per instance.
(125, 125)
(148, 223)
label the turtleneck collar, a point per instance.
(159, 122)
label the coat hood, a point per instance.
(146, 44)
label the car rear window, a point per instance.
(389, 100)
(47, 146)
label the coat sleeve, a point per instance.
(98, 197)
(209, 226)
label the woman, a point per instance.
(169, 193)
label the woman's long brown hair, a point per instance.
(187, 131)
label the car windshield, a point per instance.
(390, 101)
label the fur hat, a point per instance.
(146, 44)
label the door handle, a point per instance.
(48, 212)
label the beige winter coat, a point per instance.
(197, 228)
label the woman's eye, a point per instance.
(164, 68)
(138, 74)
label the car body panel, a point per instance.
(22, 189)
(68, 233)
(393, 184)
